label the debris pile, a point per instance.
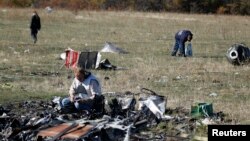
(44, 120)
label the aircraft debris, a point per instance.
(112, 48)
(43, 120)
(238, 54)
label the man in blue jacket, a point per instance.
(181, 37)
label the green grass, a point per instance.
(149, 37)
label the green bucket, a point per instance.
(201, 110)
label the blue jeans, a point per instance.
(177, 46)
(68, 105)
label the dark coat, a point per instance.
(35, 23)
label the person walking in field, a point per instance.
(35, 26)
(181, 37)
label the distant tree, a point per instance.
(5, 3)
(178, 4)
(149, 5)
(244, 7)
(21, 3)
(111, 4)
(222, 10)
(241, 7)
(96, 4)
(204, 6)
(118, 4)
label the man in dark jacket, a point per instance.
(35, 25)
(181, 37)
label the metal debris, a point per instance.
(121, 121)
(238, 54)
(110, 47)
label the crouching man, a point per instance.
(83, 91)
(181, 37)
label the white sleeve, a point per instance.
(95, 87)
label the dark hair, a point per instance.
(82, 71)
(191, 34)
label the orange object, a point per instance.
(75, 133)
(71, 58)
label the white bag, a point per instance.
(188, 50)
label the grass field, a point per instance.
(29, 71)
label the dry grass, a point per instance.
(29, 71)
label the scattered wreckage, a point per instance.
(119, 117)
(238, 54)
(112, 48)
(91, 59)
(120, 120)
(47, 121)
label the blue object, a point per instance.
(189, 50)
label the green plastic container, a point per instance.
(201, 110)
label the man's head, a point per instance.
(190, 37)
(80, 73)
(34, 12)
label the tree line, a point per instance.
(236, 7)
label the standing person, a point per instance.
(181, 37)
(83, 90)
(35, 25)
